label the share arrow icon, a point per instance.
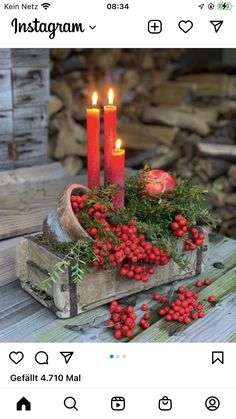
(217, 24)
(67, 356)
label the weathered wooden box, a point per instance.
(24, 86)
(34, 260)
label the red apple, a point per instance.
(159, 181)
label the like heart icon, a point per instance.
(16, 357)
(185, 25)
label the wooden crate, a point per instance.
(24, 86)
(34, 260)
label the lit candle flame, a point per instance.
(110, 97)
(118, 144)
(95, 99)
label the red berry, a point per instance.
(178, 217)
(118, 334)
(207, 282)
(144, 307)
(201, 314)
(180, 233)
(181, 290)
(168, 317)
(212, 299)
(157, 297)
(117, 326)
(182, 222)
(164, 299)
(194, 316)
(146, 325)
(199, 284)
(129, 333)
(174, 226)
(146, 316)
(198, 242)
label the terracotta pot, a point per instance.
(61, 224)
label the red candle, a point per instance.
(110, 136)
(118, 174)
(93, 138)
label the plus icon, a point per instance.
(154, 26)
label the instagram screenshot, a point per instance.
(117, 209)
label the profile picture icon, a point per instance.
(212, 403)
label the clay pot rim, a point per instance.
(69, 193)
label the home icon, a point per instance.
(23, 404)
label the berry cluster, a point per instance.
(78, 202)
(184, 308)
(143, 323)
(197, 239)
(133, 251)
(123, 246)
(180, 228)
(122, 320)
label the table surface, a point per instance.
(22, 319)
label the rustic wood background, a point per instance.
(24, 85)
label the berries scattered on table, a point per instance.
(185, 308)
(122, 320)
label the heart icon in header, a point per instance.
(185, 25)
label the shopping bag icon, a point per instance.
(165, 403)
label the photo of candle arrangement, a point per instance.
(111, 194)
(130, 233)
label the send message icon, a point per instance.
(165, 404)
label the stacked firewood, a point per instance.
(171, 115)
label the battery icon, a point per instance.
(224, 5)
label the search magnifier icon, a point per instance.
(70, 403)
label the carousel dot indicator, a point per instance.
(111, 356)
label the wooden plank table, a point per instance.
(22, 319)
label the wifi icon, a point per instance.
(45, 5)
